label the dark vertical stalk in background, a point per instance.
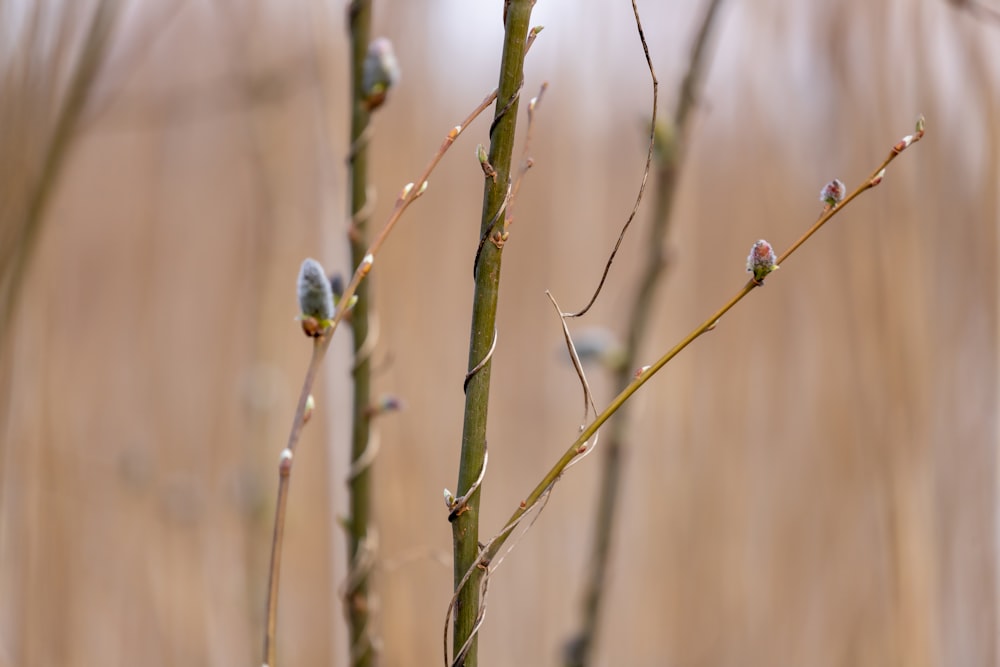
(465, 525)
(22, 230)
(670, 146)
(356, 593)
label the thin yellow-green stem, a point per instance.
(644, 375)
(320, 346)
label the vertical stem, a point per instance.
(465, 528)
(356, 600)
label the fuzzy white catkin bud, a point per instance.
(315, 293)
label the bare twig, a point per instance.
(284, 478)
(588, 397)
(526, 162)
(645, 171)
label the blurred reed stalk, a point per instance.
(465, 514)
(357, 606)
(671, 139)
(39, 116)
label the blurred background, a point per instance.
(814, 482)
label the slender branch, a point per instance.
(284, 479)
(643, 375)
(645, 171)
(357, 605)
(465, 525)
(670, 147)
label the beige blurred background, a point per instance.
(813, 483)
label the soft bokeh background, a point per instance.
(815, 482)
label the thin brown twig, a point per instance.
(526, 162)
(588, 397)
(645, 171)
(284, 479)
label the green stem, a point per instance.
(285, 463)
(465, 527)
(580, 444)
(356, 595)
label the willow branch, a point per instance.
(644, 374)
(496, 192)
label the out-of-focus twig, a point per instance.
(358, 606)
(978, 9)
(21, 231)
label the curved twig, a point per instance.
(645, 171)
(482, 364)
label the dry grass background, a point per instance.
(813, 483)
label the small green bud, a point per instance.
(484, 162)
